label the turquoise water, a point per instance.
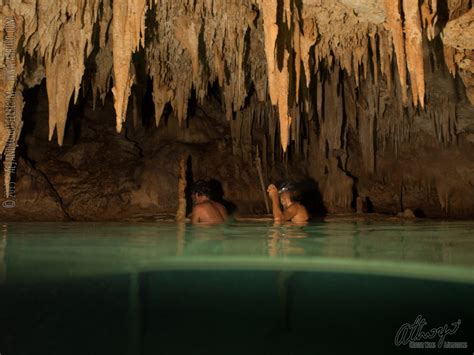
(442, 250)
(241, 288)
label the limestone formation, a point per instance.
(181, 213)
(458, 40)
(283, 68)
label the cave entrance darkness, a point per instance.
(35, 112)
(217, 191)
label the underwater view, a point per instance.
(241, 288)
(236, 177)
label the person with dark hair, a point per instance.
(206, 211)
(292, 209)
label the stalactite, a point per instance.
(386, 54)
(336, 186)
(278, 80)
(350, 104)
(101, 81)
(60, 91)
(375, 60)
(394, 23)
(393, 124)
(161, 96)
(104, 59)
(298, 55)
(367, 115)
(64, 72)
(223, 48)
(128, 32)
(180, 102)
(449, 53)
(282, 77)
(195, 44)
(430, 17)
(458, 7)
(414, 50)
(259, 67)
(270, 29)
(442, 113)
(307, 40)
(64, 55)
(234, 89)
(187, 32)
(219, 66)
(332, 118)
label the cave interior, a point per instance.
(368, 106)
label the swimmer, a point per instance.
(206, 211)
(292, 210)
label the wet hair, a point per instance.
(289, 187)
(202, 188)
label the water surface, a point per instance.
(241, 288)
(432, 250)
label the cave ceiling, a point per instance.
(285, 54)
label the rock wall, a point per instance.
(369, 99)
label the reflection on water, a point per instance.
(243, 288)
(180, 238)
(282, 240)
(52, 250)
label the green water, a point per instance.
(442, 250)
(241, 288)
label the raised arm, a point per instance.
(273, 194)
(278, 214)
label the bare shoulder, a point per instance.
(302, 208)
(294, 208)
(199, 208)
(221, 207)
(302, 212)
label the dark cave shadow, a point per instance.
(311, 198)
(75, 116)
(189, 184)
(217, 194)
(369, 205)
(33, 110)
(32, 102)
(419, 213)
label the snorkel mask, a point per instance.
(285, 187)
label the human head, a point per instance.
(288, 194)
(200, 191)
